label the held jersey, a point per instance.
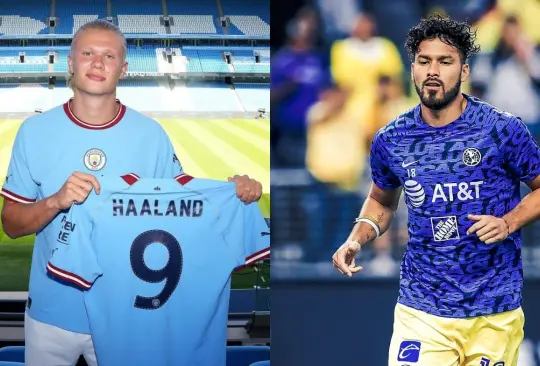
(48, 148)
(473, 165)
(156, 256)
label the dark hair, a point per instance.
(451, 32)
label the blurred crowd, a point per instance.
(343, 74)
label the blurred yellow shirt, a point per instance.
(337, 147)
(489, 27)
(356, 65)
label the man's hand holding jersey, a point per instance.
(75, 190)
(79, 185)
(489, 229)
(248, 190)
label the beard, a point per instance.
(430, 100)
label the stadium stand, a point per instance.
(253, 96)
(213, 61)
(152, 95)
(193, 62)
(61, 64)
(251, 18)
(190, 17)
(72, 14)
(189, 24)
(136, 7)
(132, 20)
(142, 59)
(23, 18)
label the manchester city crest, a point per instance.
(95, 159)
(471, 156)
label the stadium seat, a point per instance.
(246, 355)
(193, 24)
(250, 25)
(259, 363)
(12, 353)
(140, 24)
(72, 14)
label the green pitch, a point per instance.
(211, 148)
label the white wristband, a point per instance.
(368, 221)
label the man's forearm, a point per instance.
(381, 215)
(20, 219)
(527, 211)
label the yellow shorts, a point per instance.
(422, 339)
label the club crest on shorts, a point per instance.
(95, 159)
(409, 351)
(487, 362)
(471, 156)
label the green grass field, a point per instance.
(211, 148)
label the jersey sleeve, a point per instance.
(391, 64)
(381, 173)
(249, 234)
(521, 150)
(73, 259)
(168, 165)
(19, 185)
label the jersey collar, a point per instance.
(80, 123)
(462, 122)
(132, 178)
(183, 178)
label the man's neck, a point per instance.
(300, 46)
(442, 117)
(94, 110)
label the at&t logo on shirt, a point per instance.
(409, 351)
(442, 192)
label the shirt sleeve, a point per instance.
(520, 149)
(391, 64)
(337, 59)
(249, 234)
(19, 185)
(168, 165)
(74, 259)
(381, 173)
(279, 73)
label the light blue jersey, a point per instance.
(48, 148)
(156, 256)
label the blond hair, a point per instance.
(99, 24)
